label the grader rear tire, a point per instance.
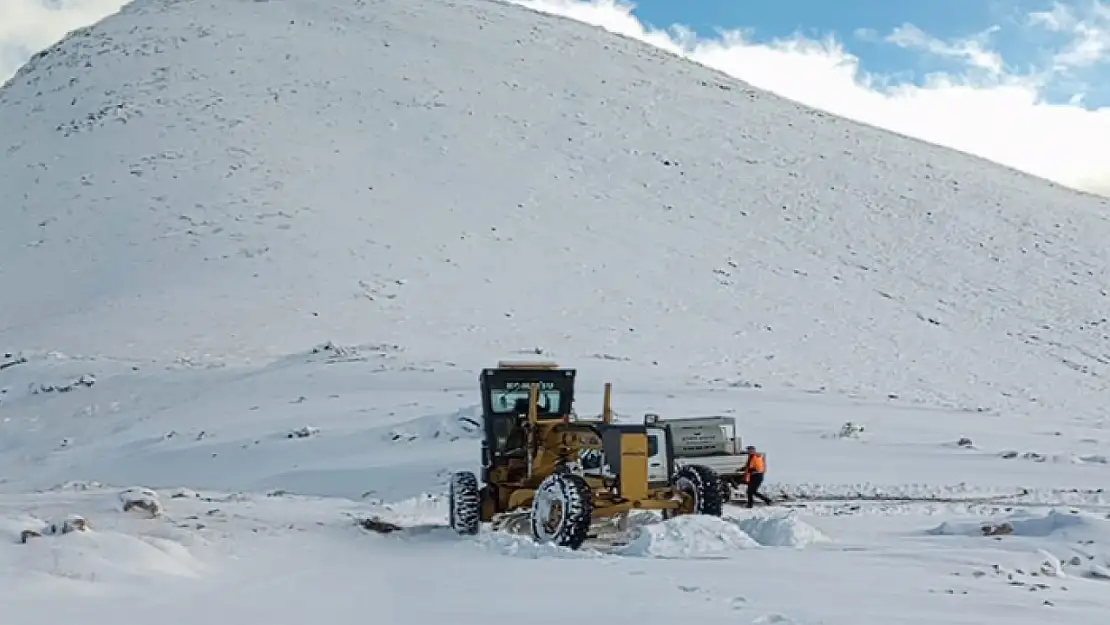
(464, 504)
(562, 511)
(704, 485)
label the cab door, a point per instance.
(659, 470)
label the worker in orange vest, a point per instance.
(753, 476)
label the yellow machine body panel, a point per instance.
(634, 465)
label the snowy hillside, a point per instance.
(455, 181)
(371, 200)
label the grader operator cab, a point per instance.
(564, 472)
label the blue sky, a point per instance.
(782, 17)
(1021, 46)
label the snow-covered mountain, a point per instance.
(432, 184)
(467, 179)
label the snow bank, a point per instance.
(463, 423)
(32, 547)
(689, 536)
(781, 531)
(1054, 523)
(1095, 459)
(524, 547)
(1100, 572)
(424, 509)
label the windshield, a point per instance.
(512, 397)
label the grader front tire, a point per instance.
(465, 503)
(562, 511)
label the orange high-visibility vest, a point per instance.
(756, 464)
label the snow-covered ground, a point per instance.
(197, 193)
(262, 475)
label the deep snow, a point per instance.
(202, 195)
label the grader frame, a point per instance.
(566, 472)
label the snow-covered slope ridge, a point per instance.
(462, 179)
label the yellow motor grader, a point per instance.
(564, 472)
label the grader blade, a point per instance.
(516, 522)
(379, 525)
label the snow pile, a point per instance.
(37, 528)
(639, 518)
(76, 549)
(1054, 523)
(97, 556)
(424, 509)
(1085, 559)
(463, 423)
(873, 491)
(1067, 544)
(518, 546)
(781, 531)
(687, 536)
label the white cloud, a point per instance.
(1090, 33)
(27, 26)
(973, 50)
(985, 109)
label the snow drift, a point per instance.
(102, 556)
(689, 536)
(96, 539)
(696, 536)
(780, 531)
(1051, 524)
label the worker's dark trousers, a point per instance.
(755, 480)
